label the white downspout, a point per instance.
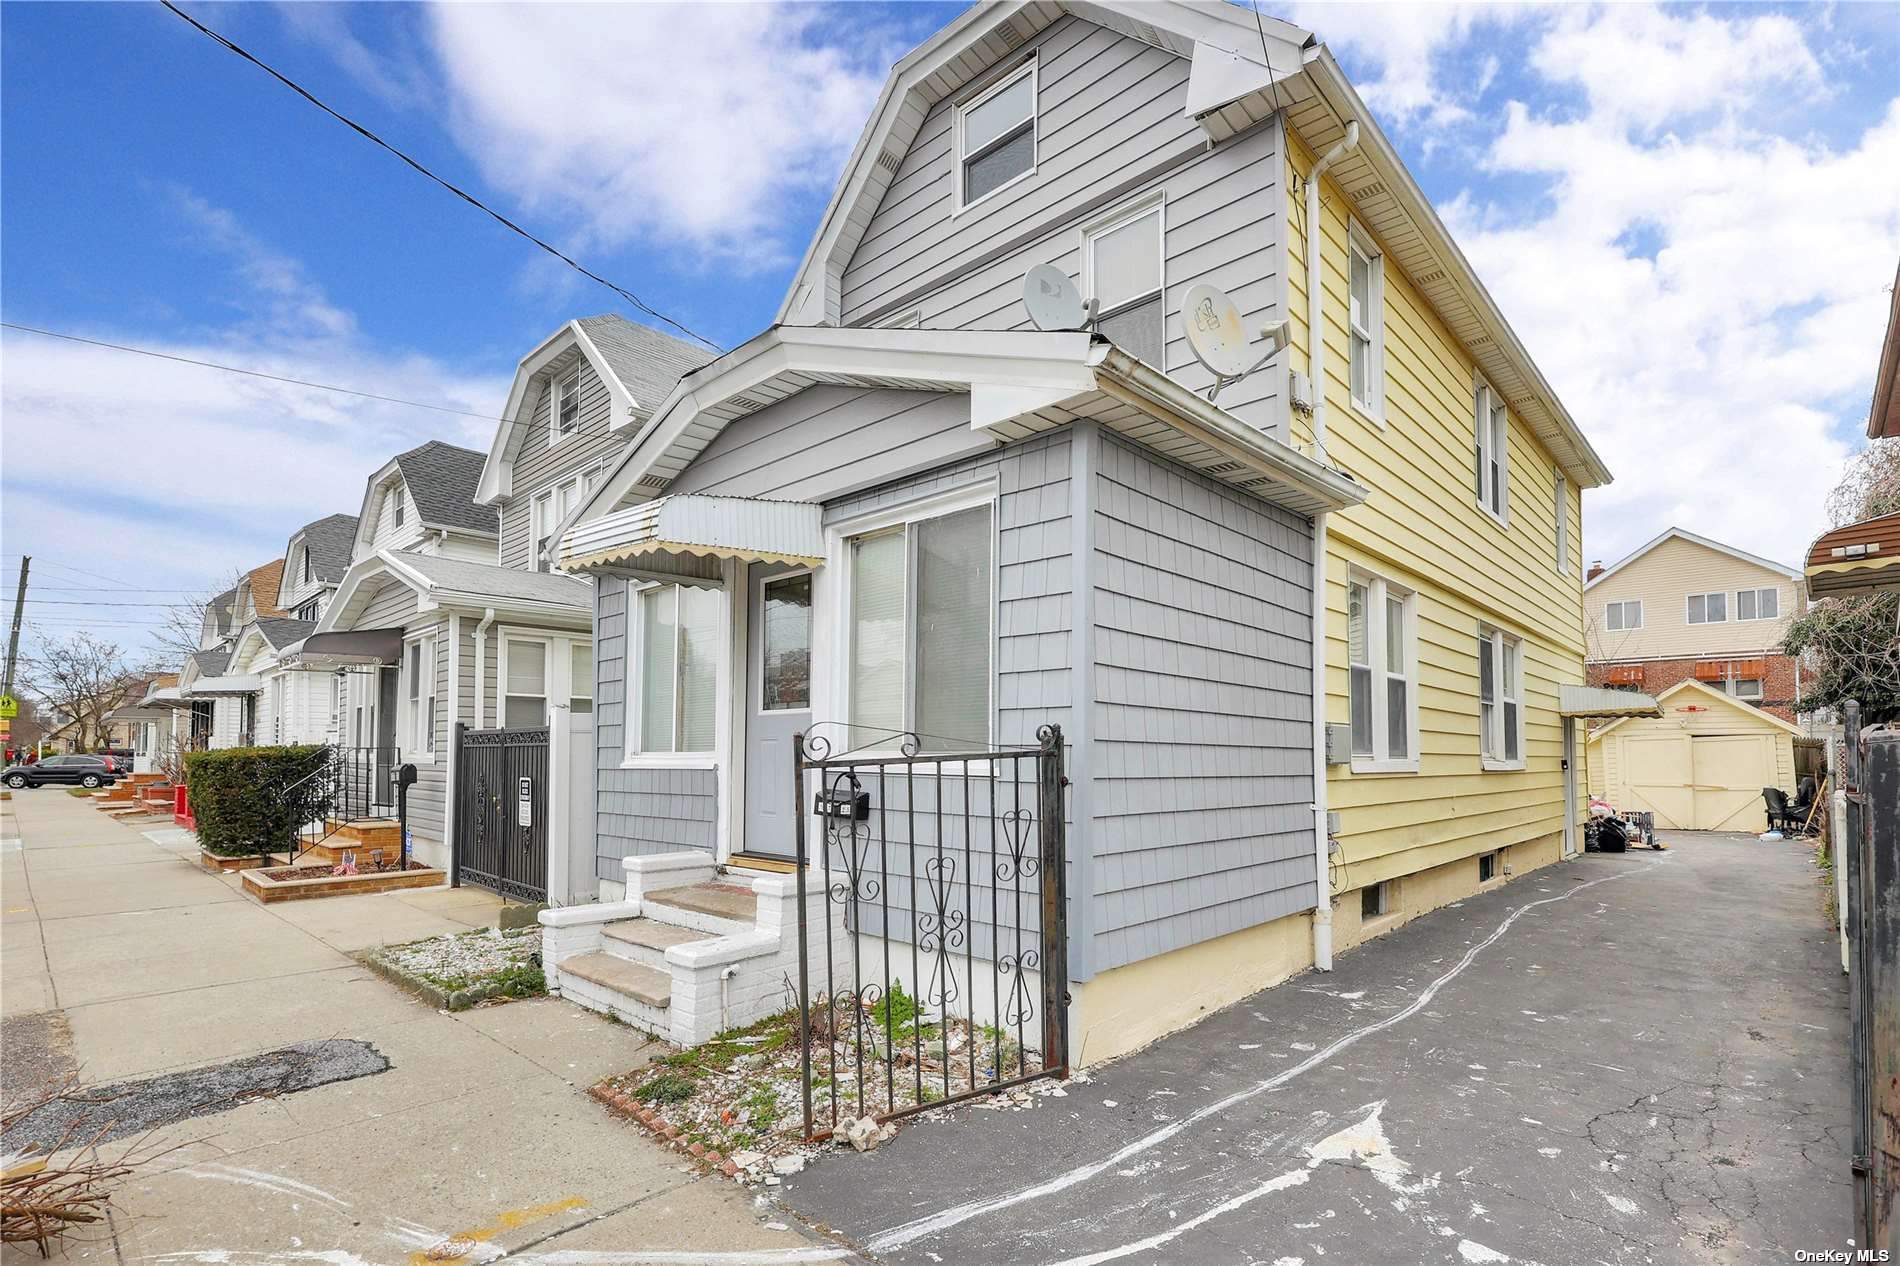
(481, 666)
(1316, 372)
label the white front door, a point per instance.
(777, 702)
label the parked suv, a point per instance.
(82, 771)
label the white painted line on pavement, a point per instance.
(943, 1220)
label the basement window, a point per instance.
(1490, 866)
(1374, 901)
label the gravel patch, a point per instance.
(132, 1107)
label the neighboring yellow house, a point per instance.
(1455, 590)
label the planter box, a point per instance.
(212, 862)
(288, 884)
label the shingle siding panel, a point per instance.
(1202, 774)
(540, 465)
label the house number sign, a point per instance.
(524, 802)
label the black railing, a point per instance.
(353, 784)
(936, 967)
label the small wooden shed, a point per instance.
(1700, 766)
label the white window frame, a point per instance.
(835, 696)
(963, 158)
(635, 707)
(1757, 593)
(1713, 593)
(1623, 606)
(755, 655)
(303, 568)
(1486, 402)
(508, 636)
(1734, 688)
(396, 507)
(1153, 203)
(1491, 745)
(1378, 590)
(1560, 496)
(1359, 242)
(557, 398)
(545, 515)
(416, 701)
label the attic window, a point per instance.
(396, 502)
(996, 136)
(564, 413)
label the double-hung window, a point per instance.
(1365, 323)
(1757, 604)
(677, 629)
(564, 404)
(396, 509)
(549, 510)
(1383, 671)
(1708, 608)
(996, 136)
(1500, 699)
(1620, 617)
(524, 701)
(1492, 428)
(1122, 269)
(418, 671)
(920, 604)
(580, 678)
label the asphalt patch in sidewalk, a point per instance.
(99, 1113)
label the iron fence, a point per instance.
(935, 967)
(501, 811)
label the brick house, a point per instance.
(1686, 608)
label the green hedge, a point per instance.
(251, 800)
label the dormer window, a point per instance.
(395, 498)
(996, 136)
(564, 412)
(303, 566)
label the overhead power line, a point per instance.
(249, 373)
(459, 192)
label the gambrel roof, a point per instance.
(329, 541)
(442, 479)
(638, 365)
(1245, 68)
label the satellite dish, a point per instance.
(1215, 331)
(1053, 301)
(1219, 337)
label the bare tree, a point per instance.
(1853, 643)
(81, 678)
(183, 628)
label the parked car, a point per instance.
(81, 771)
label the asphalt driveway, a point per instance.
(1621, 1059)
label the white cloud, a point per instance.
(1701, 278)
(687, 126)
(168, 475)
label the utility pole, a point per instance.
(13, 639)
(13, 656)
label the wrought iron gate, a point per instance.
(501, 811)
(1872, 846)
(935, 967)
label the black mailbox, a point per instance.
(403, 776)
(848, 803)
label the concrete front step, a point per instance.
(708, 907)
(643, 984)
(645, 941)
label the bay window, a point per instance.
(919, 631)
(1383, 675)
(677, 631)
(1500, 699)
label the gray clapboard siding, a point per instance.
(637, 811)
(538, 464)
(1221, 218)
(1202, 758)
(826, 441)
(428, 799)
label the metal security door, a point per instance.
(501, 811)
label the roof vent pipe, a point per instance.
(1316, 367)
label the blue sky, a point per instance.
(1689, 214)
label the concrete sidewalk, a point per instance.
(122, 959)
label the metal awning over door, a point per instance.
(349, 648)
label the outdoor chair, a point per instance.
(1781, 817)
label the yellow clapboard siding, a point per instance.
(1422, 528)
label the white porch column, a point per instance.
(555, 796)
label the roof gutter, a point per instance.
(1125, 377)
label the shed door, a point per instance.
(1659, 770)
(1730, 771)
